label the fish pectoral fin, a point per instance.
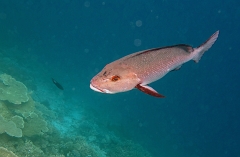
(149, 90)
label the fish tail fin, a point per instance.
(205, 46)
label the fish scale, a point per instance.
(139, 69)
(154, 64)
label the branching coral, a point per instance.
(127, 149)
(81, 147)
(12, 90)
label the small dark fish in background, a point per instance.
(57, 84)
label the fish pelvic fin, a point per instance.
(205, 46)
(149, 90)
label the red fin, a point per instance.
(149, 90)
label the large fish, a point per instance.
(139, 69)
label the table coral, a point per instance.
(9, 127)
(6, 153)
(12, 90)
(24, 109)
(4, 110)
(34, 125)
(18, 121)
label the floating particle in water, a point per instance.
(138, 23)
(86, 50)
(137, 42)
(87, 4)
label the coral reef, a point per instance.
(9, 127)
(27, 129)
(18, 121)
(127, 149)
(18, 115)
(81, 147)
(13, 91)
(6, 153)
(34, 125)
(27, 148)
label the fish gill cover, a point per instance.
(71, 40)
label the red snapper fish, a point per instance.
(139, 69)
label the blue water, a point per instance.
(72, 40)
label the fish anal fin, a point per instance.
(177, 68)
(149, 90)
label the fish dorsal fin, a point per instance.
(149, 90)
(185, 47)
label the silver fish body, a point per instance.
(139, 69)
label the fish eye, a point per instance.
(115, 78)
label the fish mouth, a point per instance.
(100, 90)
(96, 89)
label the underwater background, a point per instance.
(72, 40)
